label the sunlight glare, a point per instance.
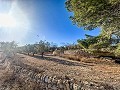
(14, 25)
(7, 20)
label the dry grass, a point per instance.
(71, 57)
(88, 59)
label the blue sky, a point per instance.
(49, 20)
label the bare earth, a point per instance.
(61, 67)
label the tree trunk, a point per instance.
(33, 54)
(42, 54)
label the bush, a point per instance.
(117, 51)
(99, 45)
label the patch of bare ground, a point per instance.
(24, 73)
(106, 71)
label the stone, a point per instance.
(67, 85)
(75, 86)
(49, 86)
(60, 84)
(85, 82)
(53, 79)
(54, 87)
(71, 85)
(46, 79)
(49, 79)
(29, 73)
(38, 81)
(101, 88)
(42, 78)
(38, 76)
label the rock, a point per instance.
(46, 79)
(67, 85)
(75, 86)
(60, 84)
(49, 86)
(42, 78)
(54, 87)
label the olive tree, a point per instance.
(8, 48)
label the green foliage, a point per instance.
(95, 13)
(117, 51)
(91, 14)
(99, 45)
(8, 46)
(40, 47)
(90, 40)
(53, 47)
(69, 46)
(26, 48)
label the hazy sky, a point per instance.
(29, 21)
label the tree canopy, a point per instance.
(91, 14)
(95, 13)
(8, 46)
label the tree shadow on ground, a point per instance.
(61, 61)
(117, 61)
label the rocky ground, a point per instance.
(23, 72)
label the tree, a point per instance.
(91, 14)
(32, 49)
(53, 46)
(26, 49)
(29, 48)
(42, 47)
(8, 48)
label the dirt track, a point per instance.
(79, 70)
(59, 67)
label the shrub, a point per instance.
(117, 51)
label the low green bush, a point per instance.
(117, 51)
